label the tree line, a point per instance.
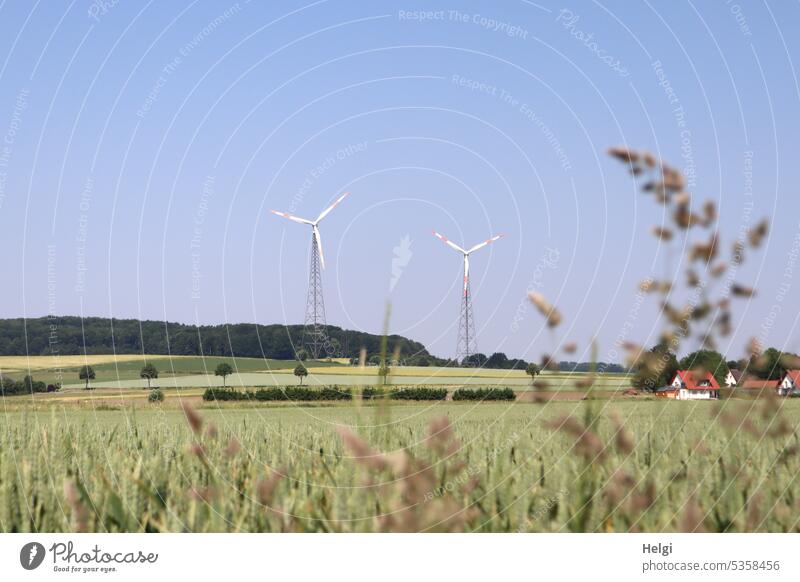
(70, 335)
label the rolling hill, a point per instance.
(98, 335)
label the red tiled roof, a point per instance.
(692, 379)
(758, 384)
(794, 375)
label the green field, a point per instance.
(124, 369)
(673, 466)
(122, 372)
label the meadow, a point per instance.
(187, 372)
(596, 465)
(123, 369)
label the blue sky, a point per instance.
(144, 145)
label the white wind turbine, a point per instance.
(467, 344)
(314, 333)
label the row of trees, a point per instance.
(150, 372)
(500, 361)
(497, 361)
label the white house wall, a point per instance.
(684, 394)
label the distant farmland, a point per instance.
(121, 372)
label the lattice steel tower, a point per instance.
(314, 330)
(314, 325)
(467, 344)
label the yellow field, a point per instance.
(22, 363)
(433, 372)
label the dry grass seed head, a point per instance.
(80, 514)
(664, 234)
(233, 447)
(693, 518)
(742, 291)
(361, 451)
(587, 443)
(549, 311)
(622, 438)
(265, 488)
(569, 348)
(193, 418)
(709, 213)
(624, 154)
(755, 236)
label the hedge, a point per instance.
(330, 393)
(373, 393)
(290, 393)
(415, 393)
(484, 394)
(27, 385)
(419, 394)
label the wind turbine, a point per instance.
(467, 344)
(314, 334)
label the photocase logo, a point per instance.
(31, 555)
(402, 256)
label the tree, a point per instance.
(533, 370)
(8, 385)
(497, 361)
(29, 385)
(301, 372)
(224, 369)
(149, 372)
(772, 364)
(475, 361)
(86, 373)
(383, 372)
(655, 368)
(707, 360)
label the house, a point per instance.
(790, 384)
(692, 385)
(733, 378)
(758, 385)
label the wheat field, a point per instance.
(586, 466)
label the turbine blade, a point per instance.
(484, 243)
(291, 217)
(448, 242)
(331, 207)
(318, 242)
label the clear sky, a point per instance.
(143, 145)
